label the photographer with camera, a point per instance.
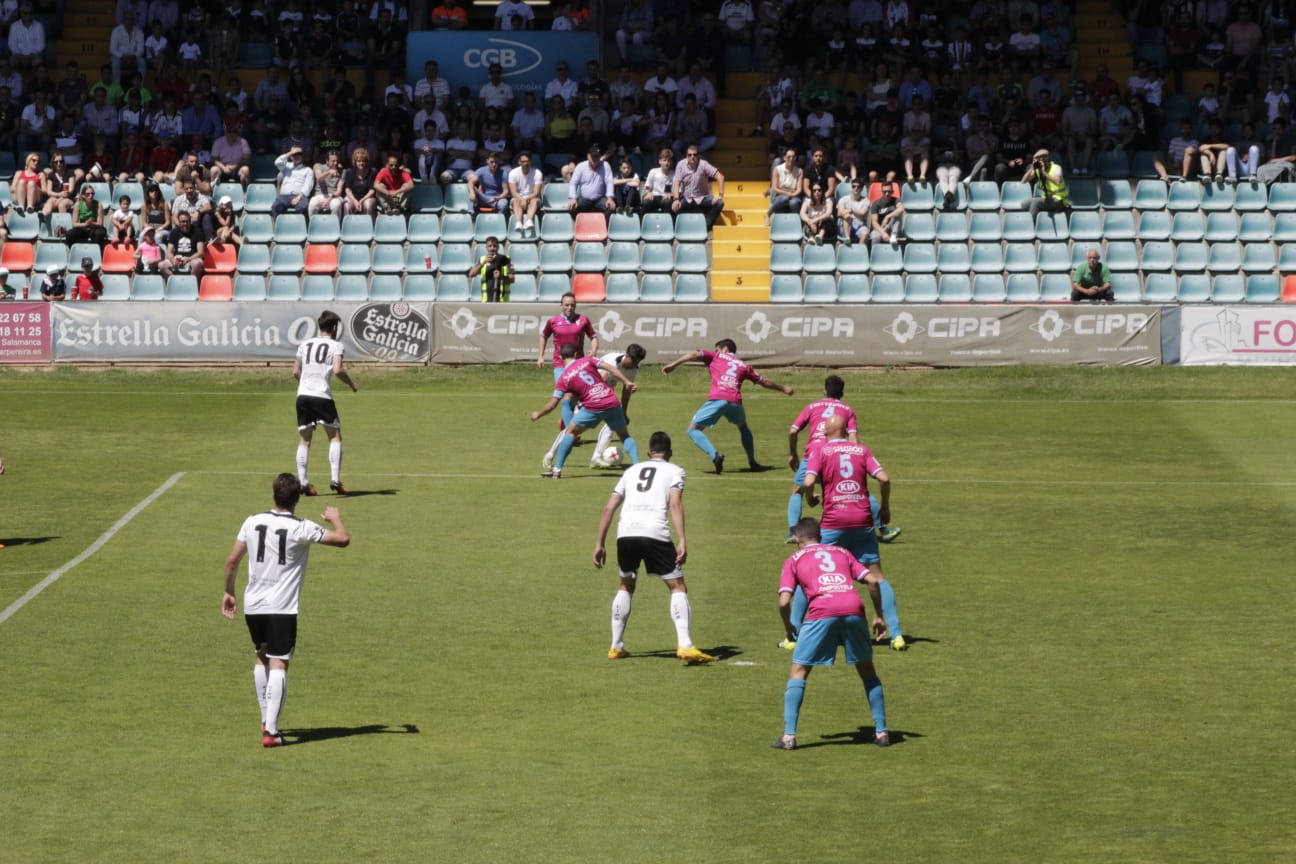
(496, 273)
(1050, 186)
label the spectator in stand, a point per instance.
(597, 114)
(1243, 40)
(692, 187)
(525, 191)
(913, 86)
(449, 15)
(635, 27)
(1214, 152)
(948, 174)
(123, 222)
(705, 46)
(853, 213)
(1014, 152)
(560, 129)
(197, 205)
(628, 125)
(69, 146)
(655, 195)
(87, 219)
(785, 185)
(625, 86)
(565, 19)
(1050, 186)
(162, 161)
(99, 116)
(884, 149)
(357, 185)
(88, 284)
(432, 83)
(185, 247)
(226, 222)
(1116, 123)
(54, 286)
(1244, 156)
(1092, 281)
(1046, 81)
(461, 152)
(26, 40)
(37, 124)
(296, 182)
(231, 159)
(201, 118)
(488, 187)
(1025, 43)
(392, 187)
(495, 93)
(429, 153)
(1046, 121)
(819, 122)
(430, 113)
(527, 126)
(661, 124)
(591, 185)
(562, 85)
(514, 15)
(592, 83)
(191, 169)
(1079, 128)
(692, 129)
(586, 138)
(778, 87)
(1277, 102)
(886, 217)
(126, 45)
(626, 187)
(328, 197)
(982, 147)
(818, 221)
(27, 188)
(915, 145)
(661, 82)
(73, 91)
(787, 115)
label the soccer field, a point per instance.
(1094, 576)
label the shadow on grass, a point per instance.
(328, 733)
(754, 469)
(720, 653)
(360, 493)
(861, 736)
(26, 541)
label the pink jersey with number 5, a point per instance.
(583, 377)
(814, 415)
(727, 376)
(827, 575)
(844, 468)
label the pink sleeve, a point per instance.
(588, 329)
(852, 422)
(787, 580)
(813, 460)
(548, 328)
(802, 419)
(857, 570)
(871, 465)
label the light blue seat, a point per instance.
(785, 228)
(1287, 258)
(1157, 255)
(690, 228)
(1080, 253)
(916, 197)
(103, 192)
(1112, 165)
(250, 286)
(622, 288)
(819, 259)
(135, 192)
(1086, 226)
(1022, 288)
(557, 258)
(1225, 258)
(588, 258)
(554, 197)
(354, 258)
(1056, 287)
(987, 258)
(624, 227)
(1250, 197)
(1258, 258)
(953, 258)
(453, 287)
(888, 288)
(785, 288)
(388, 258)
(1284, 229)
(1121, 255)
(48, 230)
(259, 197)
(1155, 225)
(489, 225)
(1119, 225)
(324, 228)
(386, 287)
(458, 258)
(1228, 288)
(852, 258)
(656, 288)
(920, 288)
(1083, 194)
(85, 250)
(660, 228)
(820, 288)
(1222, 227)
(357, 228)
(1020, 258)
(660, 258)
(918, 258)
(1115, 194)
(1013, 194)
(316, 286)
(623, 257)
(553, 286)
(785, 258)
(426, 198)
(1256, 227)
(1052, 226)
(257, 228)
(417, 257)
(986, 228)
(1018, 226)
(952, 227)
(919, 227)
(853, 288)
(148, 286)
(422, 287)
(1282, 197)
(1152, 195)
(956, 288)
(423, 228)
(456, 228)
(555, 227)
(1215, 197)
(390, 228)
(286, 258)
(351, 286)
(282, 287)
(116, 286)
(525, 288)
(1261, 288)
(1184, 196)
(1190, 257)
(1194, 288)
(885, 258)
(24, 226)
(182, 286)
(1128, 287)
(51, 253)
(290, 228)
(1054, 257)
(986, 288)
(456, 199)
(690, 258)
(984, 196)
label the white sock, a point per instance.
(259, 679)
(303, 459)
(335, 459)
(604, 439)
(682, 615)
(553, 448)
(620, 615)
(276, 694)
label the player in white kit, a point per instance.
(318, 360)
(277, 545)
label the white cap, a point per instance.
(4, 271)
(54, 269)
(225, 199)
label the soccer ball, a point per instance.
(612, 455)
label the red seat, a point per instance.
(119, 258)
(321, 258)
(589, 288)
(216, 288)
(591, 227)
(18, 257)
(220, 258)
(1289, 289)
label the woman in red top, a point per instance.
(25, 188)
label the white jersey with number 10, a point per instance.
(316, 358)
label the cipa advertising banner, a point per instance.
(527, 58)
(1237, 335)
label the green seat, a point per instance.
(1151, 195)
(1155, 225)
(1052, 226)
(1086, 226)
(1221, 227)
(51, 253)
(259, 197)
(1215, 198)
(917, 197)
(421, 257)
(1184, 196)
(426, 198)
(525, 257)
(1020, 258)
(1054, 257)
(1161, 288)
(623, 257)
(987, 258)
(1254, 227)
(1157, 255)
(1013, 194)
(290, 228)
(1251, 198)
(554, 198)
(287, 259)
(1121, 255)
(1115, 194)
(986, 227)
(984, 196)
(1225, 258)
(1018, 226)
(1127, 287)
(1083, 194)
(919, 227)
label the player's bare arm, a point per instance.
(540, 360)
(681, 360)
(548, 406)
(626, 383)
(785, 612)
(229, 603)
(605, 522)
(794, 461)
(785, 389)
(884, 496)
(807, 488)
(676, 507)
(337, 534)
(339, 372)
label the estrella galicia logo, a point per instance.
(392, 331)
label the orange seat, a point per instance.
(119, 258)
(18, 257)
(321, 258)
(218, 287)
(1289, 289)
(220, 258)
(589, 287)
(591, 227)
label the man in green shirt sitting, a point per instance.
(1092, 280)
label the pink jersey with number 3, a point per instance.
(827, 575)
(583, 377)
(814, 415)
(727, 376)
(844, 468)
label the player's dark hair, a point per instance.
(329, 322)
(834, 387)
(287, 490)
(636, 352)
(727, 345)
(807, 529)
(659, 442)
(570, 294)
(567, 351)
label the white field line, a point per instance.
(93, 548)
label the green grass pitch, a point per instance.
(1095, 575)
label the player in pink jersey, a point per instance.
(569, 328)
(812, 417)
(582, 377)
(842, 468)
(826, 574)
(724, 399)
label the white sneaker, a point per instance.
(526, 223)
(547, 462)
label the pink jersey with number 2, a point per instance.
(827, 575)
(727, 376)
(844, 468)
(583, 377)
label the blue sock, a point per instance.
(873, 687)
(698, 437)
(799, 606)
(792, 697)
(564, 450)
(889, 613)
(567, 412)
(749, 444)
(631, 448)
(873, 511)
(794, 510)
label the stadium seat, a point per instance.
(386, 287)
(1018, 226)
(426, 198)
(388, 258)
(1184, 196)
(453, 287)
(1121, 255)
(822, 259)
(458, 258)
(315, 286)
(1013, 194)
(656, 288)
(785, 258)
(423, 228)
(148, 286)
(1289, 289)
(888, 288)
(218, 258)
(1257, 227)
(1022, 288)
(1194, 288)
(1282, 197)
(1224, 258)
(588, 257)
(116, 286)
(258, 228)
(456, 228)
(557, 228)
(1250, 197)
(987, 258)
(1190, 257)
(389, 228)
(623, 257)
(785, 228)
(622, 287)
(1151, 195)
(1188, 227)
(1161, 288)
(554, 197)
(1020, 258)
(1083, 193)
(785, 288)
(690, 228)
(290, 228)
(953, 258)
(852, 258)
(1215, 197)
(80, 251)
(984, 196)
(253, 258)
(423, 258)
(19, 256)
(1112, 165)
(1155, 225)
(1086, 226)
(853, 288)
(49, 254)
(1283, 229)
(919, 258)
(986, 228)
(456, 200)
(421, 287)
(660, 228)
(1054, 257)
(920, 288)
(1221, 227)
(487, 225)
(324, 228)
(1258, 258)
(321, 258)
(557, 258)
(1261, 288)
(263, 168)
(917, 197)
(957, 288)
(1228, 288)
(660, 258)
(287, 259)
(692, 258)
(952, 227)
(217, 286)
(253, 287)
(1286, 258)
(1115, 194)
(182, 286)
(919, 227)
(1157, 255)
(1127, 287)
(357, 228)
(351, 286)
(623, 227)
(1144, 163)
(886, 258)
(820, 288)
(259, 197)
(103, 192)
(135, 192)
(353, 258)
(1119, 225)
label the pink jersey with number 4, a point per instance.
(584, 378)
(814, 415)
(827, 575)
(844, 468)
(727, 376)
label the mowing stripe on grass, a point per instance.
(93, 548)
